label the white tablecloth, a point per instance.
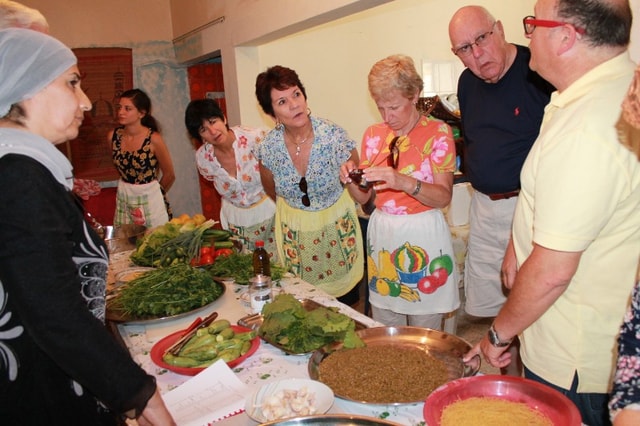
(267, 363)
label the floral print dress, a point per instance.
(626, 384)
(410, 254)
(320, 243)
(247, 211)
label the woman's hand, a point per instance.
(155, 413)
(388, 178)
(345, 169)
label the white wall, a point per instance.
(330, 43)
(333, 60)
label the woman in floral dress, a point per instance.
(409, 159)
(624, 405)
(317, 230)
(226, 159)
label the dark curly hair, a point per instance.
(279, 78)
(198, 111)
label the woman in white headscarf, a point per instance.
(58, 363)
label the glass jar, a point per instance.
(259, 292)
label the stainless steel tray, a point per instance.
(336, 419)
(254, 321)
(443, 346)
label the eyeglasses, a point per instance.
(530, 23)
(481, 41)
(394, 153)
(303, 187)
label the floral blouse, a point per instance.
(245, 189)
(626, 384)
(332, 146)
(426, 150)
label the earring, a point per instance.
(308, 111)
(279, 125)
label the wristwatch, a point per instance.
(494, 339)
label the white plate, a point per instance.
(323, 396)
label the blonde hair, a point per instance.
(395, 72)
(17, 15)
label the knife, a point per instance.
(189, 333)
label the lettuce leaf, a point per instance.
(287, 323)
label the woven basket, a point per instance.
(432, 106)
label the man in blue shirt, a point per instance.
(501, 103)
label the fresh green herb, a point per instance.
(174, 243)
(166, 292)
(287, 323)
(240, 267)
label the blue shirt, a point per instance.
(500, 121)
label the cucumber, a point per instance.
(218, 325)
(217, 234)
(223, 244)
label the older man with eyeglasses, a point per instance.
(576, 229)
(501, 103)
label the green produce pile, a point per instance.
(166, 292)
(208, 345)
(240, 267)
(175, 243)
(287, 323)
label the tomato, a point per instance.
(223, 252)
(206, 259)
(205, 250)
(194, 262)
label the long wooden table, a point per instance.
(268, 363)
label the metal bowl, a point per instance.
(557, 407)
(121, 238)
(443, 346)
(330, 420)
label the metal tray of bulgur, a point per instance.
(254, 321)
(446, 348)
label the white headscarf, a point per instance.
(29, 62)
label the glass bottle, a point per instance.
(261, 261)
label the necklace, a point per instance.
(302, 142)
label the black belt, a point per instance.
(503, 195)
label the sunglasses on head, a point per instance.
(394, 153)
(303, 187)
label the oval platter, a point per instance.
(158, 350)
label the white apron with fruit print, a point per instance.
(410, 263)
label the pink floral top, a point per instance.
(428, 149)
(245, 189)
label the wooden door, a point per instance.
(205, 80)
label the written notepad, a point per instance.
(209, 396)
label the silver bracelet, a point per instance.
(418, 188)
